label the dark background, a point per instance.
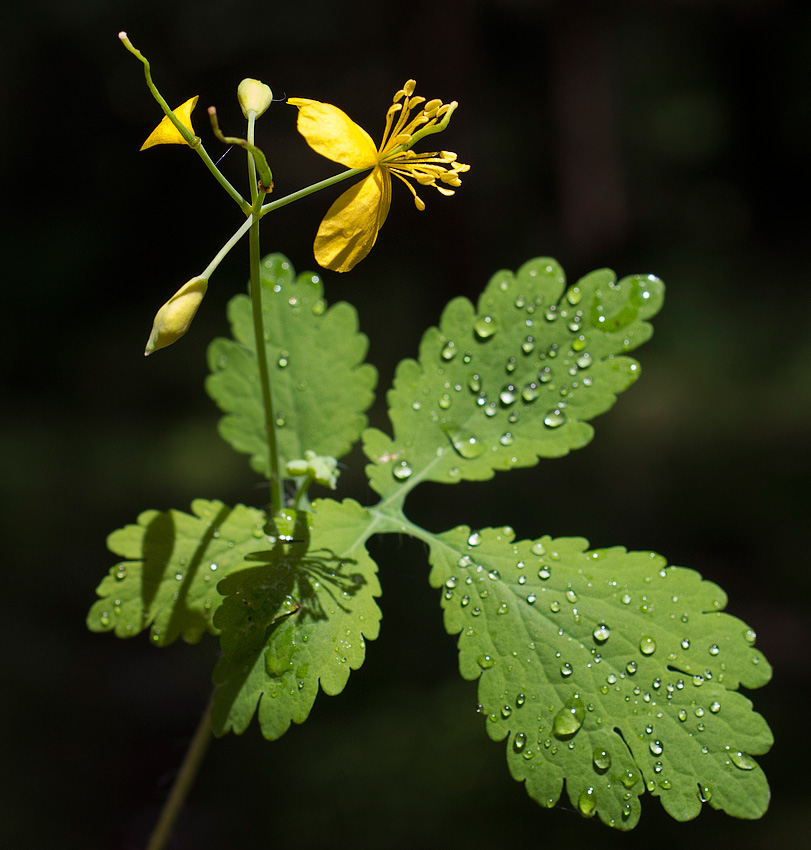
(668, 137)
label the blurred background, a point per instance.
(668, 137)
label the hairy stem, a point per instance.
(183, 781)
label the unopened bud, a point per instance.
(175, 317)
(254, 96)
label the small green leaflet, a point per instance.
(173, 564)
(607, 670)
(515, 379)
(289, 624)
(321, 387)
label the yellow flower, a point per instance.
(166, 133)
(175, 317)
(351, 225)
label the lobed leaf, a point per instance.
(168, 582)
(292, 623)
(321, 387)
(606, 670)
(515, 379)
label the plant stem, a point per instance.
(183, 781)
(274, 472)
(302, 193)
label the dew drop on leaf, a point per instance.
(449, 351)
(741, 760)
(569, 720)
(647, 646)
(485, 662)
(554, 418)
(401, 471)
(587, 804)
(601, 760)
(485, 327)
(601, 633)
(519, 742)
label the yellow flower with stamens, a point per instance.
(166, 133)
(350, 227)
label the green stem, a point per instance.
(274, 466)
(221, 254)
(193, 141)
(302, 193)
(183, 781)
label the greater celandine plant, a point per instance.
(602, 669)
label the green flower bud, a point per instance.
(254, 96)
(175, 317)
(323, 469)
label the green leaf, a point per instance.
(517, 378)
(290, 623)
(321, 387)
(606, 670)
(173, 562)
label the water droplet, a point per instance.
(449, 351)
(519, 742)
(284, 360)
(601, 633)
(485, 327)
(566, 669)
(281, 420)
(647, 646)
(506, 439)
(474, 539)
(584, 360)
(543, 574)
(508, 394)
(510, 365)
(587, 803)
(685, 644)
(485, 662)
(715, 707)
(520, 700)
(554, 607)
(714, 649)
(704, 793)
(656, 748)
(464, 442)
(631, 668)
(474, 383)
(554, 418)
(571, 596)
(401, 471)
(444, 401)
(530, 392)
(629, 777)
(749, 636)
(601, 760)
(742, 760)
(569, 719)
(528, 345)
(574, 295)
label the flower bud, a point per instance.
(175, 317)
(254, 96)
(323, 469)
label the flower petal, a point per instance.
(166, 133)
(350, 227)
(332, 133)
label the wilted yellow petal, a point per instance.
(175, 317)
(166, 133)
(350, 227)
(332, 133)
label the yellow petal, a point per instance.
(350, 227)
(332, 133)
(166, 133)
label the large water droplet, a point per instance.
(449, 351)
(530, 392)
(508, 394)
(587, 803)
(742, 760)
(485, 662)
(474, 383)
(401, 471)
(601, 633)
(554, 418)
(519, 742)
(485, 327)
(569, 719)
(647, 646)
(465, 443)
(601, 760)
